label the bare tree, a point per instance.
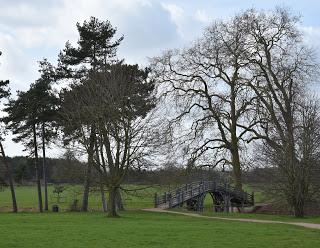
(117, 101)
(308, 152)
(281, 67)
(208, 84)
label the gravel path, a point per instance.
(303, 224)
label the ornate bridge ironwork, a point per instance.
(223, 195)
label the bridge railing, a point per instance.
(188, 191)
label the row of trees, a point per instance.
(246, 80)
(104, 109)
(242, 85)
(65, 169)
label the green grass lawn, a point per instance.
(142, 229)
(136, 228)
(133, 200)
(27, 197)
(284, 218)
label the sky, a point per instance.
(31, 30)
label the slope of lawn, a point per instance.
(142, 229)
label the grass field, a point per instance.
(27, 197)
(284, 218)
(142, 229)
(144, 198)
(133, 200)
(137, 228)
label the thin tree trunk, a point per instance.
(37, 168)
(85, 199)
(299, 202)
(8, 167)
(44, 168)
(234, 141)
(112, 206)
(103, 196)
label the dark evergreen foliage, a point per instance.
(33, 107)
(95, 49)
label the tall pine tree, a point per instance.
(95, 49)
(27, 118)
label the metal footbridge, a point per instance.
(224, 196)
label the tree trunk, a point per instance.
(103, 196)
(296, 174)
(44, 169)
(236, 166)
(298, 206)
(37, 168)
(8, 167)
(236, 169)
(112, 206)
(85, 199)
(299, 193)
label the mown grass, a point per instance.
(284, 218)
(142, 229)
(134, 196)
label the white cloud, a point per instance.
(33, 29)
(202, 16)
(15, 64)
(189, 25)
(176, 12)
(311, 36)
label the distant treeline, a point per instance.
(63, 170)
(59, 170)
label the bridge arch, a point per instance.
(193, 195)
